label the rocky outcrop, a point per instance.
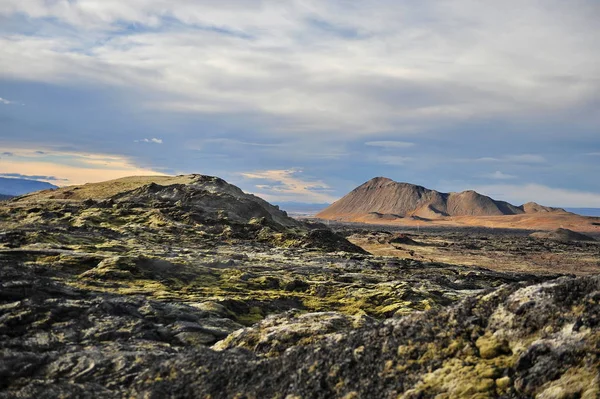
(389, 199)
(277, 333)
(562, 235)
(213, 197)
(518, 340)
(191, 204)
(513, 342)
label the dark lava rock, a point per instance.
(13, 239)
(562, 235)
(516, 341)
(402, 239)
(329, 241)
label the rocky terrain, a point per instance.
(188, 287)
(562, 235)
(497, 249)
(384, 201)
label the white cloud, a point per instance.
(8, 102)
(290, 187)
(549, 196)
(313, 66)
(497, 175)
(390, 144)
(153, 140)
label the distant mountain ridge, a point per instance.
(14, 186)
(5, 197)
(302, 208)
(385, 198)
(595, 212)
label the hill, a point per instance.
(386, 202)
(561, 235)
(107, 189)
(186, 204)
(384, 198)
(204, 197)
(13, 186)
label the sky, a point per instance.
(303, 100)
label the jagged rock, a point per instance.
(277, 333)
(329, 241)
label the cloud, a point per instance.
(497, 175)
(315, 66)
(32, 177)
(593, 153)
(153, 140)
(8, 102)
(515, 159)
(549, 196)
(72, 167)
(390, 144)
(289, 186)
(327, 85)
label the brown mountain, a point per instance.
(383, 198)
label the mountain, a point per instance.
(13, 187)
(5, 197)
(386, 199)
